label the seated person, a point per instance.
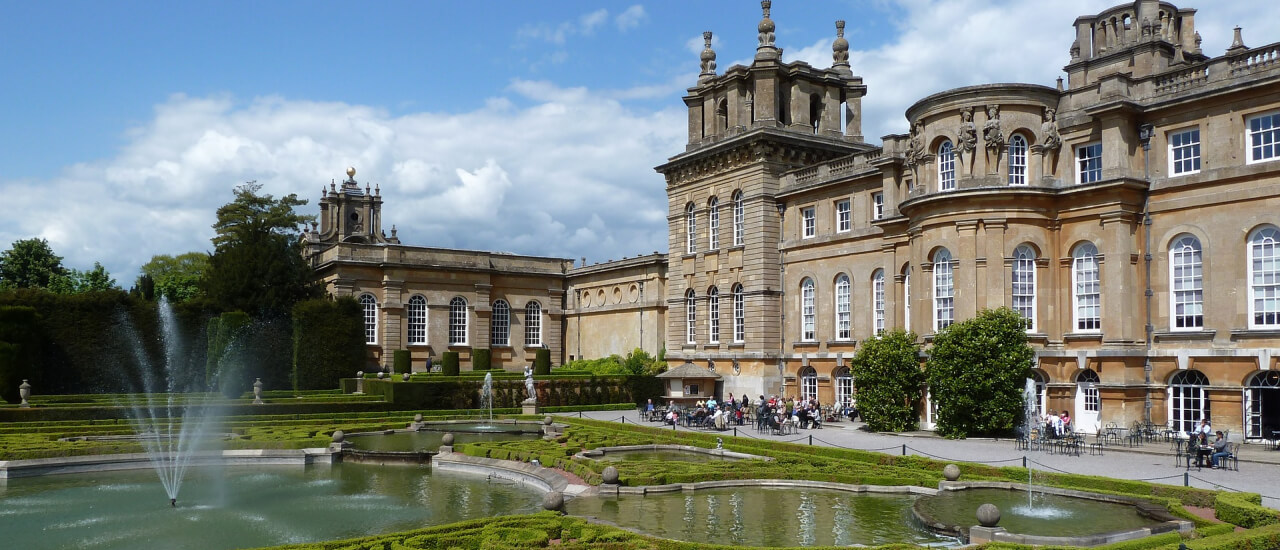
(1219, 451)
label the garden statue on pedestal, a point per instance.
(528, 387)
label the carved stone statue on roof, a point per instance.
(966, 139)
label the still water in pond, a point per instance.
(760, 516)
(428, 440)
(1048, 515)
(244, 506)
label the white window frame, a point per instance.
(533, 324)
(844, 216)
(691, 317)
(739, 217)
(1186, 284)
(1262, 137)
(369, 309)
(844, 385)
(691, 227)
(500, 324)
(713, 315)
(808, 222)
(1086, 289)
(944, 285)
(808, 332)
(906, 299)
(1264, 277)
(1017, 160)
(1088, 162)
(877, 297)
(1188, 400)
(808, 383)
(844, 319)
(1023, 284)
(416, 320)
(739, 314)
(877, 206)
(1184, 151)
(946, 166)
(1092, 399)
(459, 321)
(713, 223)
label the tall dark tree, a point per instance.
(977, 370)
(30, 263)
(257, 264)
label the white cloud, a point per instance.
(630, 18)
(588, 22)
(533, 180)
(584, 24)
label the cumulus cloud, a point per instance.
(630, 18)
(531, 180)
(584, 24)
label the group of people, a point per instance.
(777, 413)
(705, 413)
(1057, 425)
(1216, 451)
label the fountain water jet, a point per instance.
(486, 393)
(1030, 419)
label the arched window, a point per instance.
(500, 324)
(906, 299)
(808, 383)
(1041, 381)
(533, 324)
(739, 314)
(843, 324)
(1187, 400)
(458, 321)
(691, 227)
(943, 290)
(1087, 288)
(369, 305)
(844, 386)
(946, 167)
(1017, 160)
(807, 331)
(713, 222)
(739, 216)
(815, 112)
(417, 313)
(877, 298)
(722, 115)
(1023, 282)
(1262, 404)
(691, 317)
(1264, 278)
(713, 315)
(1186, 282)
(1088, 401)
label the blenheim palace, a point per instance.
(1094, 208)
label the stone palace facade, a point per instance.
(1093, 207)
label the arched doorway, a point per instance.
(1040, 398)
(1088, 402)
(1187, 400)
(808, 383)
(844, 386)
(1262, 405)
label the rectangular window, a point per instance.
(878, 297)
(713, 225)
(1184, 152)
(877, 206)
(843, 222)
(739, 316)
(808, 222)
(1088, 294)
(1089, 163)
(1264, 137)
(739, 216)
(713, 317)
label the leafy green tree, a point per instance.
(977, 370)
(177, 278)
(257, 263)
(76, 281)
(30, 263)
(888, 376)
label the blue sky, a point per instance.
(529, 127)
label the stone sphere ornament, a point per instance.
(381, 375)
(405, 377)
(609, 475)
(447, 440)
(553, 500)
(988, 515)
(951, 472)
(546, 420)
(417, 417)
(359, 374)
(338, 436)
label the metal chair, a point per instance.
(1178, 455)
(1231, 461)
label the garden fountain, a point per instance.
(486, 394)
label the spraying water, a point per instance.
(170, 429)
(1030, 420)
(486, 394)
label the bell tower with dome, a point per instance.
(349, 214)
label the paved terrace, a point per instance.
(1259, 464)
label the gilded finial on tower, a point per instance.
(840, 49)
(708, 59)
(351, 172)
(766, 49)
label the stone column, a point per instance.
(996, 279)
(1120, 289)
(966, 280)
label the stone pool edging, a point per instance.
(602, 451)
(782, 483)
(12, 469)
(977, 534)
(543, 479)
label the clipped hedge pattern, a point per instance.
(1243, 509)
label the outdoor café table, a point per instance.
(1202, 454)
(1117, 432)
